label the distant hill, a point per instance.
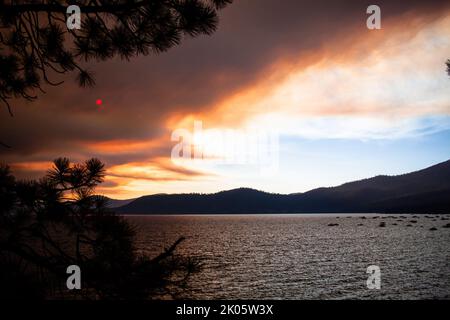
(424, 191)
(114, 203)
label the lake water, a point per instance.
(301, 257)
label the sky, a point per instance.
(284, 97)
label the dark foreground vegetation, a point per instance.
(49, 224)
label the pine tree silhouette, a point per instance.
(58, 221)
(35, 41)
(448, 66)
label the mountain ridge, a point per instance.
(425, 190)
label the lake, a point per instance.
(299, 256)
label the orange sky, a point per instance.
(343, 82)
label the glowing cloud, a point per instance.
(382, 87)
